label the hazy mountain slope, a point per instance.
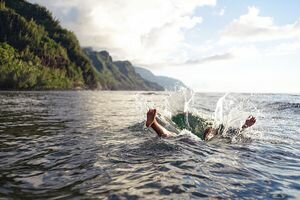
(166, 82)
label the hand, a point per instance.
(249, 122)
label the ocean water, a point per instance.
(94, 145)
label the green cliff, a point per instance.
(37, 53)
(119, 75)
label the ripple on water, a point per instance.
(73, 145)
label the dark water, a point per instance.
(83, 145)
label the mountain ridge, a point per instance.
(116, 75)
(168, 83)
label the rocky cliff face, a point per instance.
(119, 75)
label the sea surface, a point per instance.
(94, 145)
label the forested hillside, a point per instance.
(37, 53)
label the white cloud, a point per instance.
(222, 12)
(219, 12)
(285, 48)
(144, 32)
(252, 27)
(245, 52)
(213, 58)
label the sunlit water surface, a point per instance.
(94, 145)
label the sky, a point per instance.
(211, 45)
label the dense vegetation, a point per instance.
(24, 71)
(119, 75)
(37, 53)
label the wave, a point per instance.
(285, 106)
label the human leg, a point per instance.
(159, 129)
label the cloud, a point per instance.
(145, 32)
(220, 12)
(285, 48)
(213, 58)
(252, 27)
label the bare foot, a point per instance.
(151, 114)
